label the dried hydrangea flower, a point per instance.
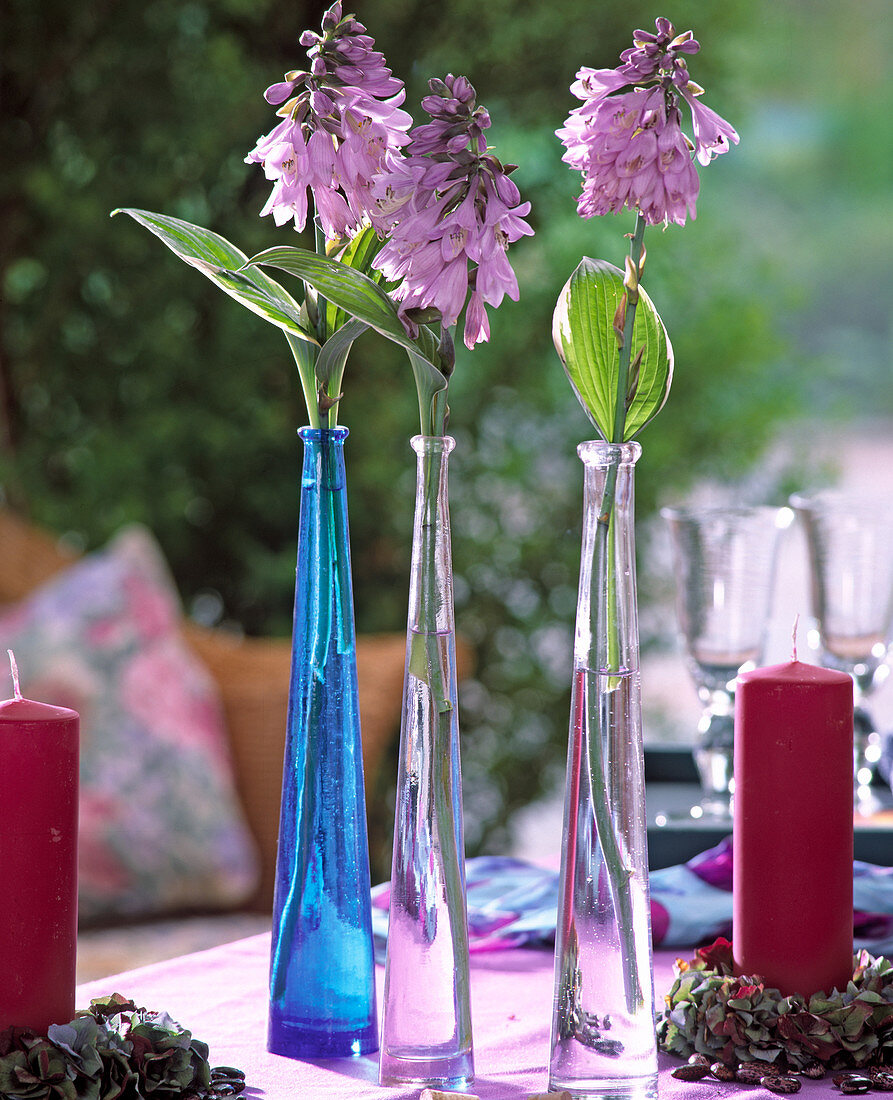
(738, 1019)
(629, 144)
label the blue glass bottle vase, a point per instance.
(322, 985)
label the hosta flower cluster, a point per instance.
(629, 145)
(732, 1019)
(114, 1051)
(341, 120)
(447, 209)
(449, 203)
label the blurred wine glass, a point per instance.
(850, 547)
(724, 567)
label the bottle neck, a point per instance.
(431, 576)
(323, 458)
(606, 623)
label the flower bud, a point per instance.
(687, 38)
(321, 103)
(278, 93)
(631, 280)
(437, 87)
(433, 104)
(506, 189)
(633, 384)
(457, 143)
(620, 321)
(463, 89)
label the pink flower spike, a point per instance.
(346, 111)
(453, 212)
(626, 138)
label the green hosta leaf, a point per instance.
(582, 328)
(358, 253)
(348, 289)
(215, 257)
(333, 354)
(362, 298)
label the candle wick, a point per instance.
(794, 637)
(17, 691)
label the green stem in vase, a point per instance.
(599, 704)
(430, 663)
(598, 707)
(625, 339)
(305, 363)
(636, 253)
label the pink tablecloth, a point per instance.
(221, 996)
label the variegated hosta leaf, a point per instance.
(345, 287)
(223, 263)
(360, 297)
(358, 253)
(583, 332)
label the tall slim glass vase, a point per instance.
(322, 987)
(426, 1022)
(603, 1037)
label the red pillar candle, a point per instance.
(38, 863)
(793, 827)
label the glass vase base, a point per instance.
(618, 1088)
(319, 1039)
(454, 1073)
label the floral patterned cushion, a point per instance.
(161, 828)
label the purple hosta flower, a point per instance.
(629, 144)
(449, 203)
(632, 152)
(340, 121)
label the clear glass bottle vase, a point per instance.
(603, 1036)
(322, 974)
(426, 1020)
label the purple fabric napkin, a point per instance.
(696, 900)
(512, 903)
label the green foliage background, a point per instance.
(134, 390)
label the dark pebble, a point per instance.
(768, 1069)
(780, 1083)
(855, 1084)
(722, 1072)
(691, 1072)
(751, 1073)
(813, 1069)
(229, 1072)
